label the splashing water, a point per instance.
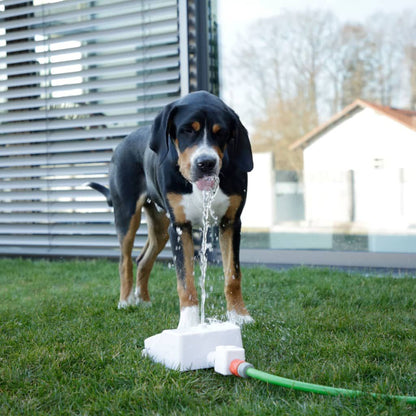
(207, 198)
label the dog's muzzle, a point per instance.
(205, 170)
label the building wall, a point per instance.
(75, 81)
(362, 171)
(360, 142)
(259, 210)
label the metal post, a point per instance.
(202, 58)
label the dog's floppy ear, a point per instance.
(239, 147)
(159, 140)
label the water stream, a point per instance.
(207, 198)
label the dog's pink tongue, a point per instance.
(206, 184)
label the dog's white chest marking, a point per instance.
(193, 206)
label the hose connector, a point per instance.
(239, 368)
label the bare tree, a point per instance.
(411, 57)
(260, 62)
(311, 41)
(351, 71)
(407, 23)
(301, 67)
(284, 59)
(387, 57)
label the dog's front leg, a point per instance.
(183, 255)
(230, 230)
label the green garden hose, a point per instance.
(241, 368)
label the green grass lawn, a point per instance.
(65, 349)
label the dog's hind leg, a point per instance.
(127, 224)
(157, 228)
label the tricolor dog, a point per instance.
(163, 169)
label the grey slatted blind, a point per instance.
(76, 76)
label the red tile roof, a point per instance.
(405, 117)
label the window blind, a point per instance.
(77, 76)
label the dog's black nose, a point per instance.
(205, 164)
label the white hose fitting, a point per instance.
(222, 357)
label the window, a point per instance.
(328, 96)
(75, 77)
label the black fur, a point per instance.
(145, 162)
(144, 170)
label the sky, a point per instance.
(248, 7)
(240, 12)
(235, 16)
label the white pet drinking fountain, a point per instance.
(203, 346)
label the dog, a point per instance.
(164, 169)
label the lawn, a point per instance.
(65, 349)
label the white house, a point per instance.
(360, 169)
(258, 214)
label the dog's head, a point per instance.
(203, 133)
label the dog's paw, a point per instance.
(123, 304)
(133, 300)
(189, 317)
(235, 318)
(139, 301)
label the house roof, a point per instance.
(405, 117)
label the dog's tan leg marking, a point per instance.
(185, 254)
(231, 262)
(157, 228)
(175, 201)
(186, 286)
(126, 265)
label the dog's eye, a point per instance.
(222, 135)
(187, 130)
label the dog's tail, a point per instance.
(103, 189)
